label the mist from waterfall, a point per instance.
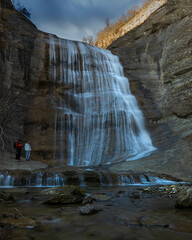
(97, 119)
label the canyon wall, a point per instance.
(23, 74)
(73, 101)
(156, 57)
(157, 60)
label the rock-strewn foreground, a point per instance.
(114, 213)
(157, 60)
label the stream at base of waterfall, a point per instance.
(97, 119)
(130, 212)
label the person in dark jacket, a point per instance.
(18, 148)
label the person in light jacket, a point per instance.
(27, 150)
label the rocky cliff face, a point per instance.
(23, 75)
(72, 97)
(107, 36)
(157, 60)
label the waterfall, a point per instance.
(40, 179)
(82, 182)
(6, 180)
(97, 119)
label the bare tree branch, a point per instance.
(12, 104)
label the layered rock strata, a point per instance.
(157, 60)
(76, 105)
(22, 74)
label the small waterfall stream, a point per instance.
(97, 119)
(83, 179)
(6, 180)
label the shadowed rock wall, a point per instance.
(157, 60)
(23, 69)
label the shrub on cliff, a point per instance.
(21, 9)
(115, 30)
(25, 12)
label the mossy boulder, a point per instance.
(68, 194)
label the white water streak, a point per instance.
(97, 119)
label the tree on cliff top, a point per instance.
(89, 40)
(22, 9)
(112, 31)
(25, 12)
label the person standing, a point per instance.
(18, 147)
(27, 150)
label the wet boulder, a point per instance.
(68, 194)
(184, 199)
(89, 209)
(6, 197)
(149, 221)
(101, 197)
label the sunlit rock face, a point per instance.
(96, 118)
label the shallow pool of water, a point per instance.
(123, 217)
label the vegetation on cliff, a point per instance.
(22, 9)
(134, 17)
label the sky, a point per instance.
(74, 19)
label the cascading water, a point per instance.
(83, 179)
(6, 180)
(40, 179)
(97, 119)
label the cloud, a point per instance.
(74, 19)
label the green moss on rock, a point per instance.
(68, 194)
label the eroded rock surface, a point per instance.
(23, 73)
(157, 60)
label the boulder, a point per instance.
(101, 197)
(89, 209)
(68, 194)
(149, 221)
(184, 199)
(6, 197)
